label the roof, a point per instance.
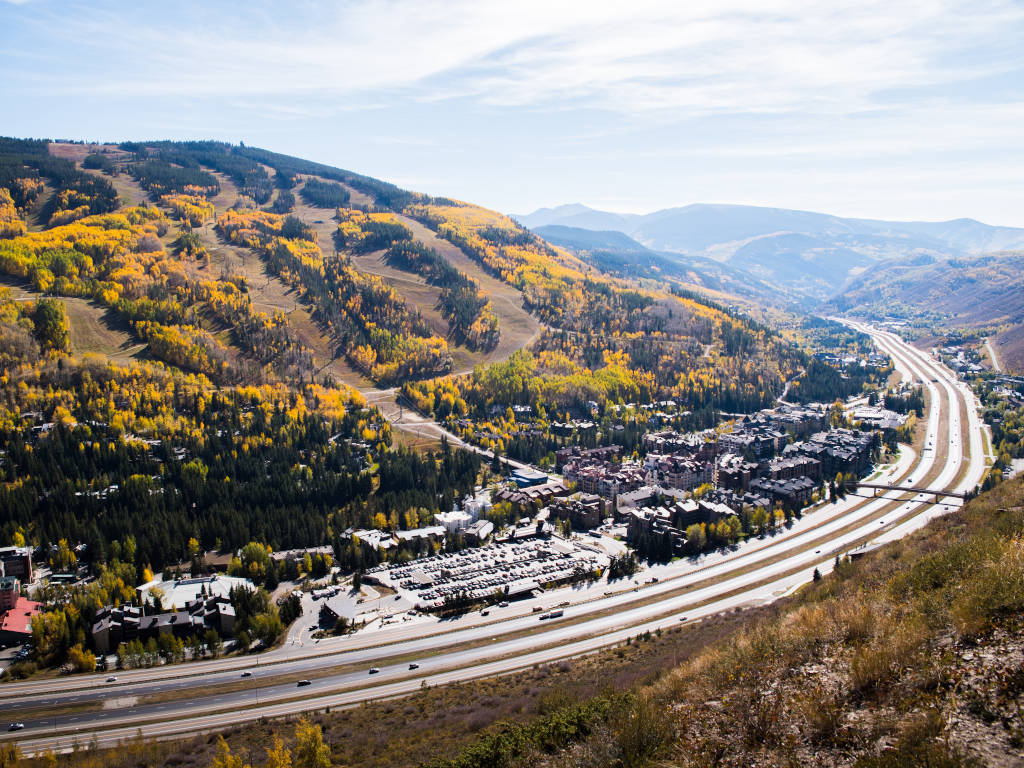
(421, 533)
(527, 475)
(342, 606)
(177, 593)
(19, 618)
(295, 554)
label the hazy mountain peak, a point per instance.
(806, 253)
(543, 216)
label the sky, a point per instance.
(895, 110)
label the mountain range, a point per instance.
(802, 256)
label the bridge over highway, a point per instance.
(915, 488)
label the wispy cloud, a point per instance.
(531, 102)
(647, 56)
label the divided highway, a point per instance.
(210, 695)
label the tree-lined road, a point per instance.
(210, 695)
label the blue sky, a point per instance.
(900, 110)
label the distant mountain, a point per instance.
(581, 238)
(802, 254)
(972, 293)
(576, 215)
(618, 254)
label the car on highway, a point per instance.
(15, 726)
(112, 679)
(303, 682)
(247, 673)
(374, 670)
(503, 604)
(414, 665)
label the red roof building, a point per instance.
(16, 623)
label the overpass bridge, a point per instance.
(876, 487)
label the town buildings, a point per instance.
(115, 625)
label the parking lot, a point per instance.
(506, 570)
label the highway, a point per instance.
(200, 696)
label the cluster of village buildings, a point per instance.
(775, 458)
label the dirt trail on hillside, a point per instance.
(92, 328)
(517, 326)
(270, 294)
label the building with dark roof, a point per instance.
(793, 493)
(16, 561)
(583, 510)
(524, 477)
(838, 450)
(113, 626)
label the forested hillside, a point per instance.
(218, 423)
(251, 295)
